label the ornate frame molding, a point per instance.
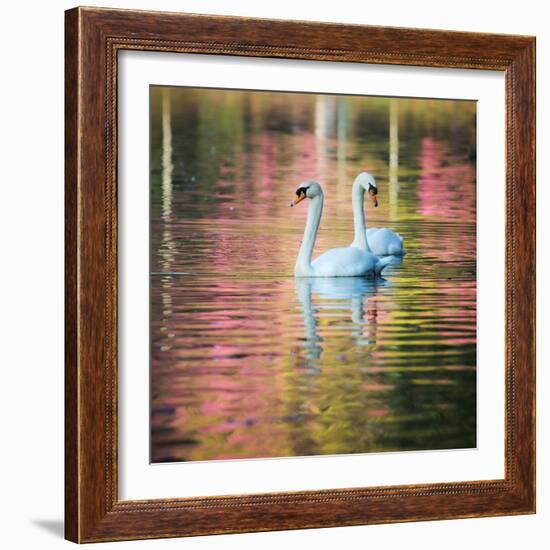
(93, 38)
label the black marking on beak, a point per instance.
(301, 190)
(373, 189)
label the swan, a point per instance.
(379, 241)
(337, 262)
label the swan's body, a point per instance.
(345, 262)
(337, 262)
(379, 241)
(385, 242)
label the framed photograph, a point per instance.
(300, 275)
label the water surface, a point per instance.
(246, 360)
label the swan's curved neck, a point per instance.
(303, 261)
(357, 198)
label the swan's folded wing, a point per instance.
(344, 262)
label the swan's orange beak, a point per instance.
(300, 198)
(373, 198)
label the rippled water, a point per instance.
(248, 361)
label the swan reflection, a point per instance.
(325, 297)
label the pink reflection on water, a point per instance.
(447, 192)
(305, 163)
(267, 165)
(445, 188)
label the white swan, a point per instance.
(337, 262)
(379, 241)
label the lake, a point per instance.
(249, 362)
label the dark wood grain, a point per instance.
(93, 38)
(71, 270)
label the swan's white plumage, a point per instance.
(385, 242)
(338, 262)
(347, 262)
(379, 241)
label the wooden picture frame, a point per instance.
(93, 511)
